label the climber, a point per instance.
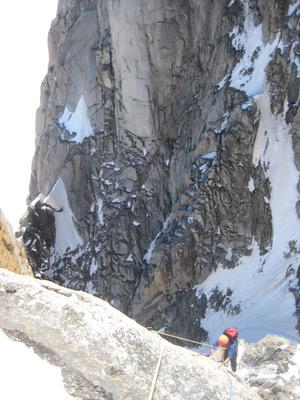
(227, 347)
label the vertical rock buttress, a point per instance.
(145, 147)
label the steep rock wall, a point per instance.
(161, 132)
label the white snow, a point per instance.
(223, 82)
(40, 197)
(295, 58)
(116, 201)
(144, 151)
(100, 211)
(294, 7)
(231, 3)
(209, 156)
(66, 233)
(248, 75)
(251, 185)
(77, 122)
(90, 288)
(294, 367)
(24, 375)
(93, 151)
(93, 267)
(224, 121)
(135, 223)
(259, 283)
(129, 258)
(147, 257)
(246, 105)
(190, 220)
(229, 254)
(107, 182)
(167, 162)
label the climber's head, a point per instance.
(223, 340)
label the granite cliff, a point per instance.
(166, 172)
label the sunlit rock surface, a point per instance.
(12, 252)
(92, 351)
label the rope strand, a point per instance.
(183, 339)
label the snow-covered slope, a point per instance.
(24, 375)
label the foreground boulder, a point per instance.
(103, 354)
(12, 252)
(272, 367)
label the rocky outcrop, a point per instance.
(104, 355)
(12, 252)
(272, 367)
(160, 134)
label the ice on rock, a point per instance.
(77, 122)
(248, 75)
(66, 233)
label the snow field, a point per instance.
(24, 375)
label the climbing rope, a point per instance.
(156, 375)
(183, 339)
(230, 385)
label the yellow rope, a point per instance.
(230, 385)
(184, 339)
(156, 375)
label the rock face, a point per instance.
(272, 367)
(12, 252)
(104, 355)
(168, 137)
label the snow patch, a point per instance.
(40, 198)
(66, 233)
(77, 122)
(294, 367)
(147, 257)
(257, 282)
(293, 8)
(135, 223)
(209, 156)
(100, 211)
(231, 3)
(248, 75)
(222, 83)
(224, 121)
(24, 375)
(251, 185)
(93, 267)
(246, 105)
(116, 201)
(129, 258)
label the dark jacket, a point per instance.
(231, 349)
